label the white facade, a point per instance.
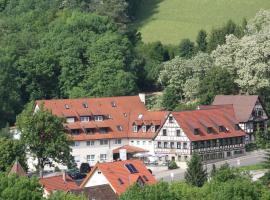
(97, 178)
(172, 142)
(147, 144)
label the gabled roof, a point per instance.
(57, 183)
(113, 171)
(130, 149)
(99, 192)
(17, 169)
(242, 104)
(208, 118)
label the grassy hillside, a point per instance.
(169, 21)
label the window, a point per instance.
(164, 131)
(85, 105)
(77, 159)
(185, 145)
(103, 157)
(140, 116)
(118, 141)
(135, 128)
(67, 106)
(90, 131)
(120, 181)
(165, 145)
(113, 103)
(196, 131)
(119, 128)
(178, 145)
(178, 132)
(222, 129)
(75, 131)
(90, 143)
(131, 168)
(172, 145)
(103, 130)
(159, 144)
(85, 119)
(170, 119)
(103, 142)
(138, 142)
(132, 142)
(70, 119)
(149, 142)
(209, 130)
(98, 118)
(153, 128)
(260, 113)
(90, 158)
(144, 128)
(237, 127)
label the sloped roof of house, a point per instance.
(57, 183)
(99, 192)
(209, 118)
(242, 104)
(130, 149)
(120, 113)
(119, 176)
(17, 169)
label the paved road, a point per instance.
(178, 174)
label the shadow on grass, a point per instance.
(147, 9)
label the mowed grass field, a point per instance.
(169, 21)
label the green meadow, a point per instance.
(169, 21)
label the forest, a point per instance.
(91, 48)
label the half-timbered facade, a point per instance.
(249, 112)
(213, 133)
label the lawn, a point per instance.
(252, 167)
(169, 21)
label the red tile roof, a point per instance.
(57, 183)
(114, 171)
(130, 149)
(119, 111)
(17, 169)
(201, 119)
(243, 104)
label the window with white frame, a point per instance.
(178, 132)
(184, 145)
(170, 119)
(90, 158)
(143, 142)
(165, 145)
(144, 128)
(138, 142)
(172, 145)
(98, 118)
(103, 142)
(90, 143)
(117, 141)
(164, 132)
(178, 145)
(103, 157)
(75, 131)
(77, 159)
(159, 145)
(70, 119)
(153, 128)
(84, 118)
(149, 142)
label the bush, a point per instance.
(251, 147)
(85, 168)
(172, 165)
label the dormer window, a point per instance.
(196, 131)
(75, 131)
(144, 128)
(120, 181)
(135, 128)
(70, 119)
(67, 106)
(98, 118)
(210, 130)
(222, 129)
(153, 128)
(140, 116)
(119, 128)
(85, 119)
(85, 105)
(113, 103)
(237, 127)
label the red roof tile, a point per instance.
(201, 119)
(114, 171)
(57, 183)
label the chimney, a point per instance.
(142, 97)
(64, 176)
